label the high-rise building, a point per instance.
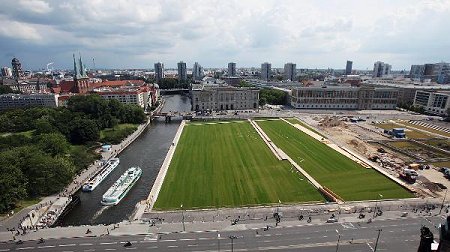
(6, 72)
(417, 71)
(290, 71)
(231, 69)
(381, 69)
(197, 71)
(16, 69)
(266, 71)
(348, 67)
(182, 72)
(159, 72)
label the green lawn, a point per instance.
(296, 121)
(118, 133)
(348, 179)
(229, 165)
(23, 204)
(28, 133)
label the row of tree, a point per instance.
(41, 149)
(272, 96)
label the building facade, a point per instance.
(290, 71)
(381, 69)
(232, 69)
(159, 72)
(417, 71)
(140, 96)
(266, 71)
(433, 102)
(16, 69)
(197, 71)
(9, 101)
(224, 98)
(6, 72)
(182, 71)
(344, 98)
(348, 67)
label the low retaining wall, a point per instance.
(151, 199)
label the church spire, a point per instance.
(75, 70)
(82, 73)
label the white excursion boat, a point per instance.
(101, 175)
(121, 187)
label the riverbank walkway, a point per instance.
(46, 212)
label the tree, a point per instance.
(12, 185)
(273, 96)
(7, 90)
(83, 131)
(54, 144)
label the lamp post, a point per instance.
(218, 241)
(232, 237)
(182, 214)
(376, 204)
(443, 200)
(378, 237)
(339, 238)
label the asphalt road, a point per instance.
(396, 235)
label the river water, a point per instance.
(147, 151)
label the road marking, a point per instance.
(173, 246)
(187, 239)
(49, 246)
(205, 238)
(152, 247)
(110, 249)
(131, 248)
(147, 241)
(107, 243)
(369, 246)
(67, 245)
(88, 250)
(192, 245)
(168, 240)
(325, 236)
(25, 248)
(86, 244)
(4, 250)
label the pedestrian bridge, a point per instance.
(168, 116)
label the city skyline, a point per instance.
(39, 32)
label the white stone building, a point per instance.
(224, 98)
(433, 102)
(9, 101)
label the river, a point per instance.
(147, 151)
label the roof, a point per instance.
(118, 83)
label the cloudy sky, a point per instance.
(137, 33)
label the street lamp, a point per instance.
(339, 238)
(232, 237)
(182, 214)
(443, 200)
(218, 241)
(378, 237)
(376, 204)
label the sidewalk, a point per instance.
(39, 214)
(162, 226)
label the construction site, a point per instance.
(416, 151)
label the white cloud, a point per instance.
(322, 33)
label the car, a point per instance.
(332, 220)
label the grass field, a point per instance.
(348, 179)
(229, 165)
(443, 144)
(410, 133)
(435, 131)
(296, 121)
(442, 164)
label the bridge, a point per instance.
(168, 116)
(174, 90)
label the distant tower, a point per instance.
(290, 71)
(266, 71)
(197, 71)
(6, 72)
(231, 69)
(16, 69)
(381, 69)
(348, 67)
(182, 71)
(159, 72)
(80, 77)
